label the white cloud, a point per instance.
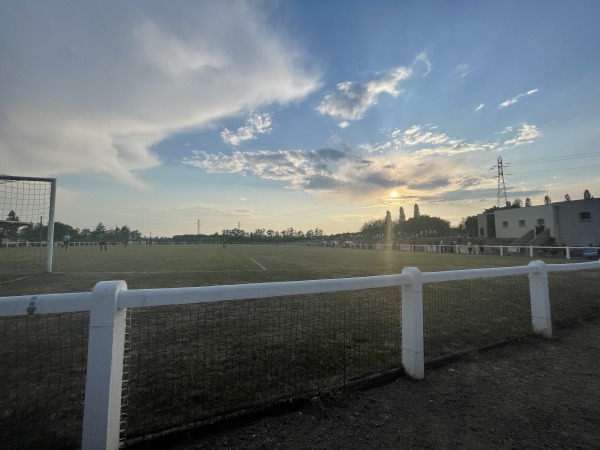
(301, 169)
(480, 107)
(255, 124)
(423, 57)
(463, 70)
(526, 134)
(91, 88)
(512, 101)
(353, 99)
(420, 161)
(415, 136)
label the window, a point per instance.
(541, 222)
(521, 223)
(504, 224)
(583, 216)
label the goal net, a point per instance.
(26, 224)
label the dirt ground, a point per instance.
(535, 393)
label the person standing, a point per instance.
(470, 247)
(66, 240)
(102, 241)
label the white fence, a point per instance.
(109, 300)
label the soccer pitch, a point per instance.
(196, 362)
(162, 266)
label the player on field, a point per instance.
(66, 240)
(102, 241)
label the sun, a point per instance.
(394, 194)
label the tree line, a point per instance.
(13, 229)
(384, 229)
(388, 230)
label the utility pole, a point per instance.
(501, 194)
(198, 230)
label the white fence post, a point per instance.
(413, 353)
(541, 319)
(102, 408)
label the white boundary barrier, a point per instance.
(108, 301)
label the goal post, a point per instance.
(27, 207)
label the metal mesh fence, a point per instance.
(574, 295)
(192, 363)
(42, 371)
(461, 316)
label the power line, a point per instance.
(556, 158)
(554, 170)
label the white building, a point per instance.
(574, 223)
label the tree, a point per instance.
(60, 229)
(587, 195)
(100, 228)
(416, 212)
(469, 224)
(135, 235)
(567, 198)
(527, 202)
(12, 216)
(547, 200)
(517, 203)
(11, 230)
(125, 231)
(402, 215)
(374, 228)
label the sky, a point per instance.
(185, 116)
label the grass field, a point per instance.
(79, 268)
(194, 362)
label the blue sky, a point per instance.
(305, 114)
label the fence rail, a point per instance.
(414, 322)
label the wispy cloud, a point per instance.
(419, 161)
(166, 73)
(255, 124)
(480, 107)
(526, 134)
(424, 58)
(308, 170)
(512, 101)
(353, 99)
(463, 70)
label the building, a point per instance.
(575, 223)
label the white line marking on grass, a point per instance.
(258, 264)
(16, 279)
